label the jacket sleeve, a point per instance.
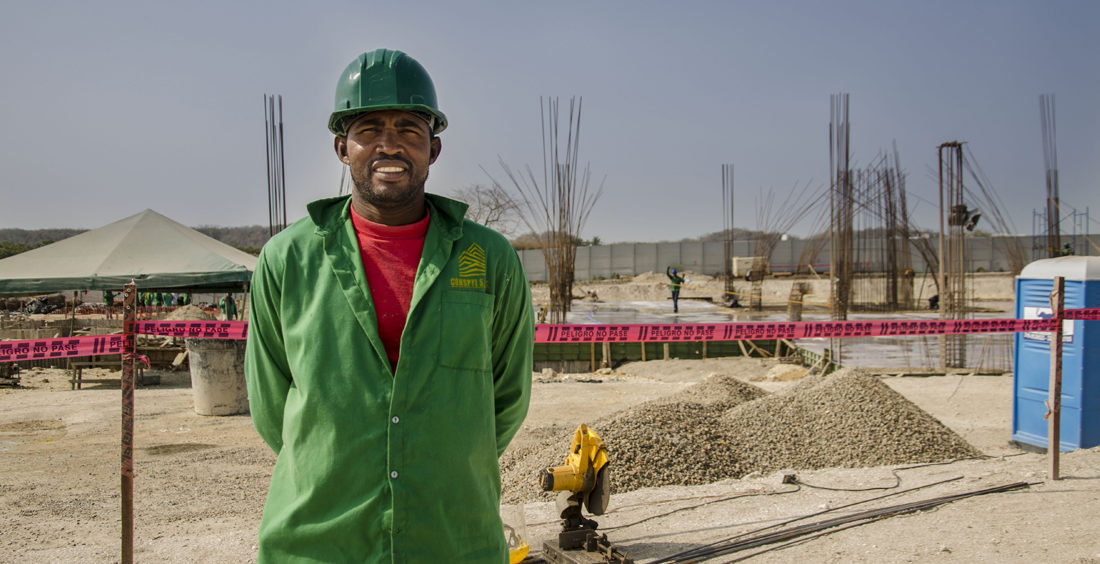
(513, 341)
(267, 372)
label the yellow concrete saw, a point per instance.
(583, 480)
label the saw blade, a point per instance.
(596, 500)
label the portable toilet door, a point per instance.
(1080, 422)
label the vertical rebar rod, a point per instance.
(267, 157)
(282, 168)
(943, 275)
(1050, 160)
(272, 190)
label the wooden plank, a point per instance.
(763, 353)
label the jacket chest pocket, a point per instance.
(465, 340)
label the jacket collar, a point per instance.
(330, 214)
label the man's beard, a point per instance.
(364, 187)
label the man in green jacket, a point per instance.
(389, 349)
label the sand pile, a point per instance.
(189, 313)
(724, 428)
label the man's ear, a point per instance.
(437, 146)
(340, 144)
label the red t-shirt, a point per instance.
(390, 257)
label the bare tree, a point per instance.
(490, 206)
(557, 207)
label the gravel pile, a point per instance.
(644, 441)
(724, 428)
(847, 420)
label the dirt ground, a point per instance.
(200, 481)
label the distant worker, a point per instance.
(1067, 250)
(674, 283)
(934, 302)
(109, 303)
(228, 307)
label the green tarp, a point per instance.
(152, 250)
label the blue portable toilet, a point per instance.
(1080, 426)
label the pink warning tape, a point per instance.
(1085, 314)
(780, 330)
(13, 351)
(194, 329)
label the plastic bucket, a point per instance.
(217, 376)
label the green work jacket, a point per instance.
(377, 465)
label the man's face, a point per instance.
(388, 153)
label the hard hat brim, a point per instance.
(337, 119)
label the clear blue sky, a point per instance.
(108, 108)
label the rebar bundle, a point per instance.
(1050, 160)
(902, 232)
(276, 173)
(840, 215)
(954, 300)
(868, 228)
(556, 208)
(986, 199)
(727, 227)
(882, 275)
(771, 224)
(841, 203)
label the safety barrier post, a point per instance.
(128, 358)
(1054, 401)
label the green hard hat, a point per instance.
(384, 79)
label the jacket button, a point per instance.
(393, 474)
(396, 419)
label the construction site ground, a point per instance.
(200, 481)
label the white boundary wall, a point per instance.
(985, 254)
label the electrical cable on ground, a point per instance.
(897, 479)
(725, 547)
(673, 558)
(795, 480)
(727, 498)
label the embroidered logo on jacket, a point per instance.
(471, 268)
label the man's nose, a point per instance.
(389, 142)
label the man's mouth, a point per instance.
(390, 170)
